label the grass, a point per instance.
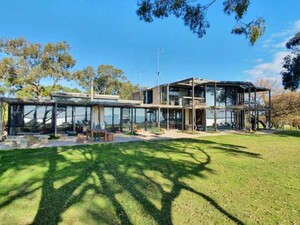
(230, 179)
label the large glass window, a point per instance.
(73, 118)
(221, 96)
(70, 119)
(108, 117)
(210, 119)
(139, 118)
(82, 117)
(210, 97)
(151, 118)
(175, 119)
(231, 96)
(116, 119)
(31, 119)
(163, 118)
(61, 119)
(126, 119)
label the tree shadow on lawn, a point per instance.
(140, 169)
(286, 133)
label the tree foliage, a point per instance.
(26, 93)
(291, 73)
(109, 79)
(26, 64)
(285, 108)
(193, 14)
(106, 80)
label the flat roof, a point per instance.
(82, 95)
(200, 81)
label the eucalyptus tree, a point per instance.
(291, 73)
(26, 65)
(106, 79)
(193, 13)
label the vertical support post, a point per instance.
(73, 118)
(145, 120)
(66, 118)
(225, 90)
(54, 119)
(1, 118)
(121, 119)
(131, 124)
(168, 94)
(168, 110)
(92, 90)
(168, 119)
(158, 95)
(193, 105)
(99, 117)
(9, 132)
(270, 109)
(91, 116)
(158, 117)
(215, 107)
(113, 117)
(205, 109)
(255, 110)
(205, 122)
(249, 106)
(182, 119)
(244, 111)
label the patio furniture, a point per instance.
(93, 132)
(18, 142)
(81, 138)
(109, 136)
(44, 139)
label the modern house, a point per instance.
(190, 104)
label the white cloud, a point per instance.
(269, 70)
(260, 60)
(278, 40)
(297, 26)
(276, 43)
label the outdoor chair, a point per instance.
(109, 136)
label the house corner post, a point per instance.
(270, 108)
(193, 105)
(249, 107)
(54, 122)
(215, 107)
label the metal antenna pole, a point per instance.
(159, 50)
(92, 89)
(141, 85)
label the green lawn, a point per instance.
(242, 179)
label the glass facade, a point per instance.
(126, 119)
(151, 118)
(108, 117)
(30, 119)
(225, 96)
(175, 119)
(163, 115)
(139, 118)
(116, 119)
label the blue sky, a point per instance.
(109, 32)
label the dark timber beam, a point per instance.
(131, 124)
(249, 105)
(255, 110)
(9, 119)
(193, 105)
(215, 107)
(270, 109)
(54, 119)
(158, 117)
